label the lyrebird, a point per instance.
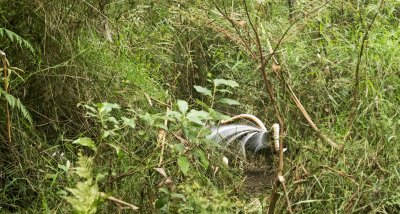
(248, 130)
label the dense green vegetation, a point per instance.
(106, 105)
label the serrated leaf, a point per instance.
(198, 116)
(183, 164)
(129, 122)
(85, 141)
(203, 90)
(230, 83)
(183, 106)
(228, 101)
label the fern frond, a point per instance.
(84, 168)
(85, 196)
(16, 103)
(13, 37)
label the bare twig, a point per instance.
(262, 70)
(118, 177)
(6, 89)
(245, 43)
(357, 73)
(118, 201)
(294, 97)
(265, 59)
(161, 140)
(280, 179)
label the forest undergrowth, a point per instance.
(107, 105)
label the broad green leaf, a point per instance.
(203, 90)
(62, 193)
(183, 106)
(85, 141)
(202, 104)
(228, 101)
(129, 122)
(217, 115)
(112, 119)
(225, 91)
(180, 147)
(198, 116)
(107, 107)
(230, 83)
(161, 126)
(161, 202)
(173, 114)
(107, 133)
(183, 164)
(202, 156)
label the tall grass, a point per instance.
(147, 55)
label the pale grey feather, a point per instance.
(251, 137)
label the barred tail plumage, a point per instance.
(252, 136)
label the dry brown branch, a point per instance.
(264, 60)
(118, 201)
(161, 140)
(7, 90)
(275, 68)
(242, 41)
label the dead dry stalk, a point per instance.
(6, 90)
(161, 140)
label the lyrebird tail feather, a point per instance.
(252, 137)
